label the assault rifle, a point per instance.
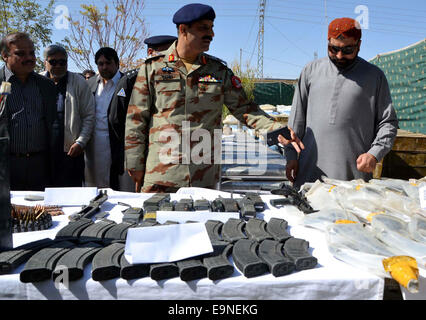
(293, 197)
(93, 207)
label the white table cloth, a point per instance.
(331, 279)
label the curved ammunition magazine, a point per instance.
(297, 250)
(184, 205)
(218, 266)
(166, 206)
(75, 260)
(11, 259)
(154, 203)
(270, 251)
(201, 205)
(73, 229)
(256, 230)
(133, 271)
(247, 209)
(217, 206)
(106, 262)
(132, 215)
(258, 203)
(246, 259)
(96, 231)
(40, 266)
(277, 228)
(119, 231)
(229, 204)
(191, 269)
(163, 271)
(214, 228)
(232, 230)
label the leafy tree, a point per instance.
(30, 17)
(122, 28)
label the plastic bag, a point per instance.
(323, 218)
(357, 246)
(395, 233)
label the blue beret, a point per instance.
(193, 12)
(159, 40)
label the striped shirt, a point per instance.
(26, 116)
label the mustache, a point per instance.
(207, 38)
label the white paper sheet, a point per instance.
(200, 216)
(69, 196)
(166, 243)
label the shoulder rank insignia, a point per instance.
(121, 93)
(236, 82)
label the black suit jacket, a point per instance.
(49, 95)
(118, 112)
(114, 140)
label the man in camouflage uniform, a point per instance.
(182, 91)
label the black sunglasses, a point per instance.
(54, 62)
(344, 50)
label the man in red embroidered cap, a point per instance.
(342, 110)
(181, 91)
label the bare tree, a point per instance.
(30, 17)
(122, 28)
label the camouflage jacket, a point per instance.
(171, 108)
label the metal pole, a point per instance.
(261, 34)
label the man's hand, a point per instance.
(291, 170)
(137, 176)
(295, 141)
(75, 150)
(366, 162)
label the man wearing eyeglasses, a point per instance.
(74, 121)
(342, 110)
(29, 111)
